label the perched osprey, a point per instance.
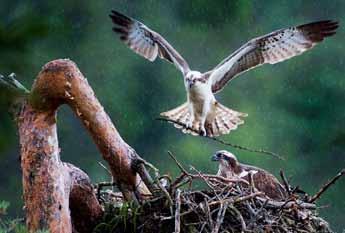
(229, 167)
(202, 113)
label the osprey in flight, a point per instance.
(202, 113)
(229, 167)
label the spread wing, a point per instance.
(146, 42)
(272, 48)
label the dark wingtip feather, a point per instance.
(120, 19)
(327, 34)
(120, 30)
(329, 29)
(123, 33)
(317, 31)
(118, 14)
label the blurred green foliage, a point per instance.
(295, 108)
(8, 225)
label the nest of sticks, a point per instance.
(225, 205)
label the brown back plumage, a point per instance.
(265, 182)
(262, 180)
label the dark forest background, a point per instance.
(295, 108)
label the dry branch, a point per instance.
(326, 186)
(198, 175)
(178, 211)
(262, 151)
(285, 182)
(220, 217)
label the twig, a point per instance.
(147, 179)
(16, 94)
(326, 186)
(203, 178)
(285, 182)
(11, 82)
(166, 177)
(282, 204)
(209, 176)
(220, 217)
(150, 165)
(297, 190)
(262, 207)
(227, 180)
(181, 183)
(251, 182)
(178, 211)
(166, 193)
(109, 172)
(247, 197)
(105, 168)
(203, 227)
(184, 171)
(101, 185)
(150, 182)
(180, 179)
(223, 142)
(261, 151)
(208, 213)
(238, 199)
(290, 200)
(240, 217)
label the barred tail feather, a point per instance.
(224, 120)
(181, 115)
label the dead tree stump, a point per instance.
(58, 196)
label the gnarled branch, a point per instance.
(52, 188)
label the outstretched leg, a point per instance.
(205, 111)
(191, 118)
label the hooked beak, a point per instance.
(190, 84)
(214, 158)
